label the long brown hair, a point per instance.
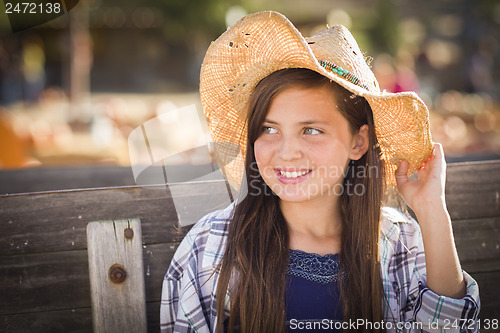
(256, 254)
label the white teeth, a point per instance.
(293, 174)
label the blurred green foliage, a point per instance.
(181, 19)
(384, 30)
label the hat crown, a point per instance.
(337, 46)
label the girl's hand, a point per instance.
(426, 197)
(428, 190)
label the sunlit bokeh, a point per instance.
(73, 90)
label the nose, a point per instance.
(289, 149)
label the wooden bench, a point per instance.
(44, 260)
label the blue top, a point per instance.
(312, 296)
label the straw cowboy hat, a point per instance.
(262, 43)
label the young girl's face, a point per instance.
(305, 145)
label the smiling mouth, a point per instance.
(293, 174)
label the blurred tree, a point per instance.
(183, 18)
(384, 32)
(171, 49)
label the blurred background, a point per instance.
(73, 89)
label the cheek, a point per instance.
(262, 150)
(264, 153)
(331, 157)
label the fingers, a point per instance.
(402, 174)
(435, 163)
(429, 158)
(437, 151)
(435, 157)
(438, 163)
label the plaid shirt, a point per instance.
(188, 296)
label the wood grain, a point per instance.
(28, 283)
(116, 273)
(62, 178)
(56, 221)
(473, 190)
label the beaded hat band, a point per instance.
(342, 72)
(262, 43)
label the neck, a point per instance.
(314, 225)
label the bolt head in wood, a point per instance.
(129, 233)
(117, 274)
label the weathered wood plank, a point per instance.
(157, 258)
(57, 216)
(66, 273)
(64, 321)
(478, 243)
(116, 275)
(489, 290)
(29, 282)
(63, 178)
(57, 221)
(153, 317)
(60, 280)
(80, 320)
(473, 190)
(61, 321)
(44, 282)
(468, 183)
(43, 179)
(29, 230)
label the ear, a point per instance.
(360, 142)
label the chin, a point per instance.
(296, 196)
(304, 193)
(293, 199)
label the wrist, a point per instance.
(430, 206)
(433, 214)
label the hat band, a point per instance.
(341, 72)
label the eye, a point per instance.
(269, 130)
(312, 131)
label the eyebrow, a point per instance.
(307, 122)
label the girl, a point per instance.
(310, 246)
